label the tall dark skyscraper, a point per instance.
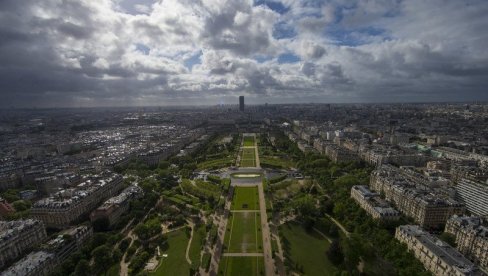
(241, 103)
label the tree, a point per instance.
(102, 258)
(21, 205)
(334, 253)
(142, 231)
(98, 239)
(352, 249)
(83, 268)
(124, 244)
(11, 195)
(117, 255)
(333, 231)
(163, 164)
(305, 206)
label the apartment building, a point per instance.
(378, 155)
(474, 195)
(372, 203)
(437, 256)
(68, 241)
(114, 207)
(427, 208)
(338, 154)
(471, 237)
(17, 237)
(38, 263)
(67, 206)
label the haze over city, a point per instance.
(182, 52)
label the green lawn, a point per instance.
(248, 153)
(306, 250)
(242, 266)
(216, 163)
(175, 263)
(248, 141)
(289, 187)
(275, 162)
(244, 233)
(248, 157)
(196, 245)
(245, 198)
(248, 163)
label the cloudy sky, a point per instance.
(143, 52)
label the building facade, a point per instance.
(437, 256)
(114, 207)
(373, 204)
(474, 195)
(38, 263)
(471, 237)
(16, 237)
(423, 205)
(67, 206)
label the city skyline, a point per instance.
(218, 191)
(166, 53)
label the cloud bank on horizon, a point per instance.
(143, 52)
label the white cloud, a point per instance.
(348, 50)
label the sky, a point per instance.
(85, 53)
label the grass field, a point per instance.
(248, 157)
(242, 266)
(216, 163)
(248, 153)
(275, 162)
(175, 263)
(244, 235)
(248, 163)
(248, 141)
(289, 187)
(306, 250)
(196, 245)
(245, 198)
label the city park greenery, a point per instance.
(243, 233)
(103, 253)
(245, 198)
(242, 266)
(369, 247)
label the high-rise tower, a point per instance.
(241, 103)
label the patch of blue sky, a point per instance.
(355, 37)
(283, 30)
(288, 58)
(276, 6)
(262, 58)
(142, 48)
(195, 59)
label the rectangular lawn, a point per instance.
(248, 163)
(242, 266)
(248, 158)
(248, 153)
(248, 141)
(244, 233)
(245, 198)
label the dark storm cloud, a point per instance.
(88, 52)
